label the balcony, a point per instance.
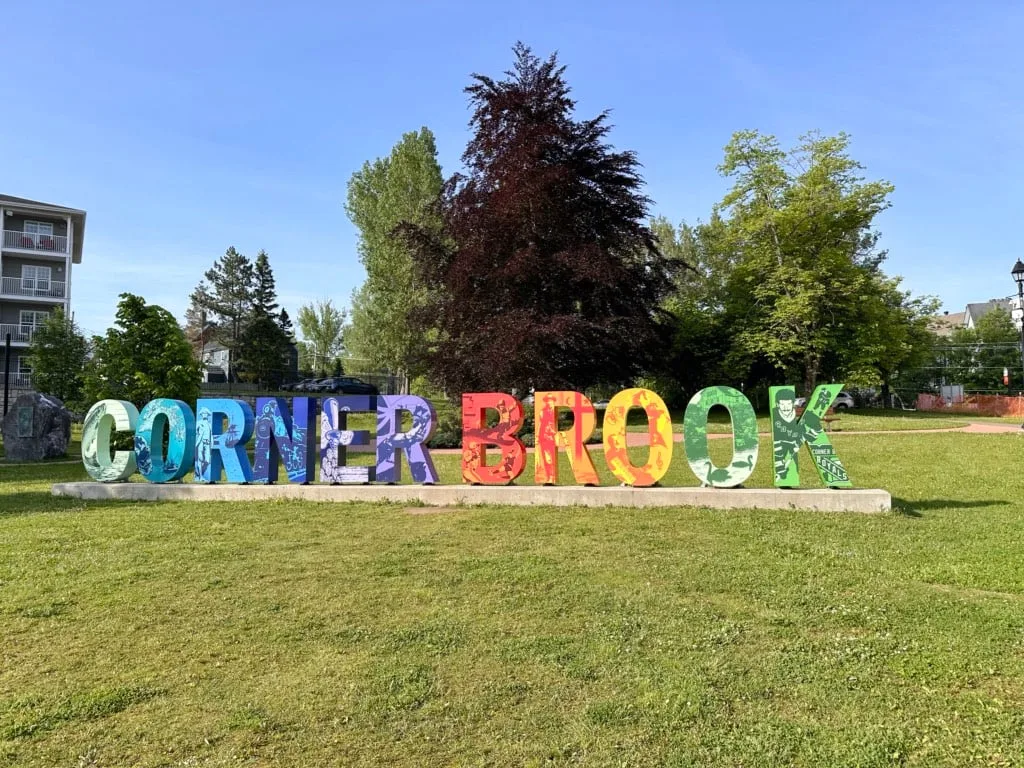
(35, 243)
(17, 380)
(19, 287)
(20, 334)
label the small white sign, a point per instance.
(1017, 314)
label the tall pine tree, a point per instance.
(238, 298)
(263, 351)
(226, 296)
(264, 293)
(546, 274)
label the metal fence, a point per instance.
(386, 384)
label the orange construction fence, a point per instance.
(980, 405)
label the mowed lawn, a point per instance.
(298, 634)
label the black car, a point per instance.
(306, 385)
(345, 385)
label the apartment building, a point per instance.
(40, 243)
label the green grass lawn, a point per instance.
(299, 634)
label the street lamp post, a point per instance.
(1018, 313)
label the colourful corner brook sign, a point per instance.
(212, 443)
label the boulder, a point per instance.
(36, 427)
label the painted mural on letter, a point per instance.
(744, 439)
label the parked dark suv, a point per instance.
(345, 385)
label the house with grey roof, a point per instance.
(975, 312)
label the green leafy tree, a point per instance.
(701, 331)
(322, 325)
(893, 340)
(58, 356)
(400, 188)
(800, 224)
(977, 356)
(144, 356)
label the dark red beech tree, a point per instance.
(545, 273)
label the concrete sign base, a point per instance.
(819, 500)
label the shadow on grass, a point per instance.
(22, 503)
(915, 508)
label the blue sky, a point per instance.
(186, 127)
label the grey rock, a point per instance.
(36, 427)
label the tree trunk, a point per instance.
(811, 365)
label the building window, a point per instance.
(38, 235)
(24, 365)
(31, 320)
(35, 278)
(39, 227)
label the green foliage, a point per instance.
(893, 339)
(264, 290)
(58, 355)
(394, 190)
(787, 281)
(226, 296)
(800, 223)
(976, 357)
(264, 342)
(144, 356)
(263, 351)
(322, 326)
(237, 301)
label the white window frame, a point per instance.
(24, 365)
(35, 278)
(36, 318)
(39, 228)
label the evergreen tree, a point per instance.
(227, 296)
(264, 345)
(285, 323)
(545, 263)
(263, 351)
(264, 292)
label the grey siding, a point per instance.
(16, 222)
(10, 312)
(12, 266)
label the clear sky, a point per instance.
(183, 128)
